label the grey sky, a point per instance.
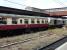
(43, 4)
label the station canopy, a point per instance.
(57, 11)
(51, 12)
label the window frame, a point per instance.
(38, 21)
(32, 21)
(3, 20)
(26, 21)
(14, 20)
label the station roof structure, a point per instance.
(51, 12)
(57, 11)
(20, 11)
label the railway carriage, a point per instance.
(12, 21)
(56, 22)
(65, 21)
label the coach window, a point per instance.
(3, 21)
(42, 21)
(26, 21)
(46, 21)
(55, 21)
(14, 21)
(21, 21)
(38, 21)
(32, 21)
(63, 22)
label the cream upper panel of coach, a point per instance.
(5, 20)
(21, 19)
(9, 21)
(32, 19)
(40, 20)
(12, 21)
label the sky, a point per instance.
(42, 4)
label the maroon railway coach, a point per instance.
(12, 19)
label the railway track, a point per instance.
(52, 37)
(23, 41)
(55, 45)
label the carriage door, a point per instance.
(63, 22)
(55, 22)
(21, 21)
